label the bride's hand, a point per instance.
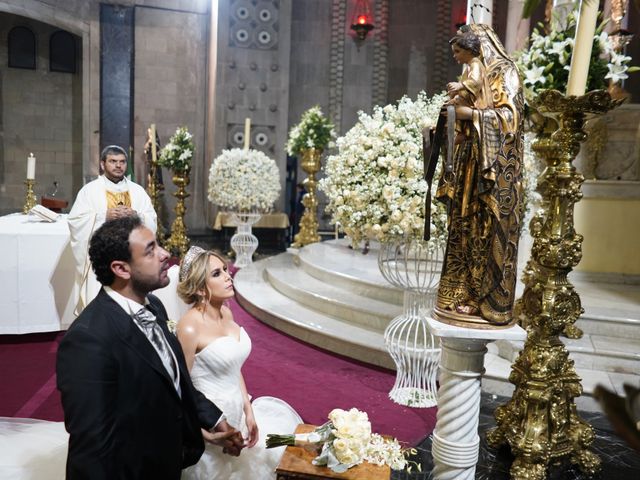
(225, 436)
(252, 428)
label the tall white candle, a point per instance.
(581, 58)
(247, 133)
(31, 167)
(480, 11)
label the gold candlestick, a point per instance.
(540, 422)
(154, 187)
(178, 242)
(30, 199)
(309, 222)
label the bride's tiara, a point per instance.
(193, 253)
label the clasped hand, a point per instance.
(225, 436)
(119, 212)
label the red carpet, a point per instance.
(313, 381)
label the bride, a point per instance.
(215, 348)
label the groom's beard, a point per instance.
(146, 285)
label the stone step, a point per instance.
(594, 352)
(336, 298)
(498, 369)
(334, 301)
(262, 300)
(612, 310)
(333, 262)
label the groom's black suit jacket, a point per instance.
(124, 417)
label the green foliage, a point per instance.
(314, 131)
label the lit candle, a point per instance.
(581, 58)
(247, 133)
(31, 167)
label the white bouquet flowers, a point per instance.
(244, 181)
(375, 183)
(545, 64)
(346, 440)
(178, 153)
(314, 131)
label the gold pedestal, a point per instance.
(153, 189)
(309, 222)
(178, 242)
(540, 423)
(30, 199)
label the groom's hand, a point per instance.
(225, 436)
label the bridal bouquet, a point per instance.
(314, 131)
(178, 153)
(244, 181)
(375, 182)
(345, 441)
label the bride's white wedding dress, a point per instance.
(32, 449)
(216, 373)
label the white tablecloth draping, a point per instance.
(37, 288)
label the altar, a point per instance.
(37, 275)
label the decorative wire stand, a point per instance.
(244, 243)
(415, 268)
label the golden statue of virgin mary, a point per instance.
(483, 196)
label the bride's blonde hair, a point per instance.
(193, 279)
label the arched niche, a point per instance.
(62, 52)
(21, 43)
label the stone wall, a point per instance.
(169, 90)
(39, 114)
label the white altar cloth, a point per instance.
(37, 288)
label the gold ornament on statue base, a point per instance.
(30, 198)
(309, 222)
(178, 242)
(540, 422)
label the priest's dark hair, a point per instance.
(109, 243)
(113, 150)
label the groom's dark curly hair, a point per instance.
(111, 242)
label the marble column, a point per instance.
(456, 442)
(210, 119)
(480, 11)
(517, 27)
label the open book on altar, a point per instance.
(43, 213)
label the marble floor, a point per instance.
(619, 461)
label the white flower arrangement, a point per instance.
(244, 181)
(532, 167)
(314, 131)
(545, 64)
(346, 441)
(375, 183)
(178, 153)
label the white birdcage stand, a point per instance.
(415, 267)
(244, 243)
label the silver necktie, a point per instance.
(147, 321)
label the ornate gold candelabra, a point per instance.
(178, 242)
(540, 423)
(30, 199)
(309, 222)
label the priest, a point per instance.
(109, 196)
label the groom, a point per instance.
(129, 405)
